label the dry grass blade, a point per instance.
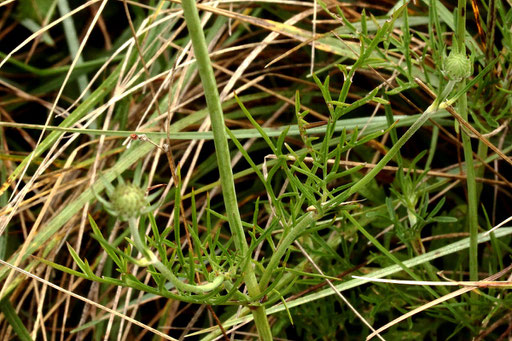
(437, 301)
(46, 28)
(499, 225)
(474, 285)
(97, 305)
(288, 30)
(6, 2)
(40, 169)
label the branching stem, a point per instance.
(164, 270)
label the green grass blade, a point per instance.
(14, 320)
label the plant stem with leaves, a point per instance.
(224, 159)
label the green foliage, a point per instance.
(343, 170)
(34, 10)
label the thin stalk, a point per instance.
(223, 157)
(472, 192)
(462, 108)
(460, 30)
(217, 119)
(427, 114)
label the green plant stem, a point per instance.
(223, 157)
(449, 249)
(472, 192)
(472, 195)
(295, 232)
(462, 108)
(427, 114)
(217, 119)
(260, 320)
(153, 260)
(460, 30)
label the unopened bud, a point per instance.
(457, 66)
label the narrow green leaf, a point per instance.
(14, 320)
(77, 259)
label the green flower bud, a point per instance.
(457, 66)
(128, 201)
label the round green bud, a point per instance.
(128, 200)
(457, 66)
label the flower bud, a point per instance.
(128, 200)
(457, 66)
